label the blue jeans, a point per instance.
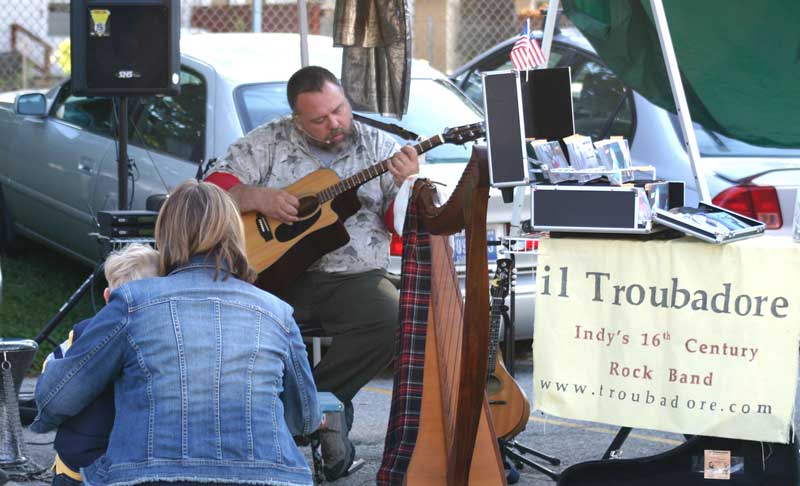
(186, 483)
(64, 480)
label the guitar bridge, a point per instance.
(263, 227)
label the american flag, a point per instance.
(526, 53)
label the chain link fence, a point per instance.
(482, 24)
(34, 34)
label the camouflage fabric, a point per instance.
(276, 155)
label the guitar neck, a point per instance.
(494, 330)
(373, 171)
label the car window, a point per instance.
(174, 125)
(472, 85)
(597, 96)
(261, 103)
(433, 106)
(91, 113)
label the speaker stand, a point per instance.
(122, 158)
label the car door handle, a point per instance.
(85, 166)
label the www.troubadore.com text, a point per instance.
(648, 398)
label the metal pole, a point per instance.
(549, 28)
(302, 23)
(44, 334)
(684, 117)
(122, 162)
(258, 14)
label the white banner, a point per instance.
(680, 336)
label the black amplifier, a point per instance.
(130, 223)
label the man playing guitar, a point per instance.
(346, 291)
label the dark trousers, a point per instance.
(359, 311)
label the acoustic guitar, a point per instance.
(507, 400)
(281, 252)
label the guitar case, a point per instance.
(752, 464)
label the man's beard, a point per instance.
(329, 144)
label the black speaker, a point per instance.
(125, 47)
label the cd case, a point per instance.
(709, 223)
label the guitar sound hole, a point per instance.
(493, 385)
(308, 205)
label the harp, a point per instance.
(456, 444)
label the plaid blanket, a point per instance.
(415, 293)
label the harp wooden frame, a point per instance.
(456, 444)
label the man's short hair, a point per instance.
(132, 262)
(306, 80)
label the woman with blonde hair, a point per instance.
(211, 376)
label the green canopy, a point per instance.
(739, 60)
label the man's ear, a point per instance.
(107, 294)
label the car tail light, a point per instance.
(757, 202)
(396, 246)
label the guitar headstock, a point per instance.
(465, 133)
(501, 283)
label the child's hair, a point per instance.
(132, 262)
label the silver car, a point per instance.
(756, 181)
(58, 152)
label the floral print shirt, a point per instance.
(276, 155)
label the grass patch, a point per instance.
(37, 281)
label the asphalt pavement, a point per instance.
(570, 441)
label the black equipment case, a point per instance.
(752, 464)
(601, 208)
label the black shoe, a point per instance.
(341, 468)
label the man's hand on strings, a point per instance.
(403, 164)
(279, 204)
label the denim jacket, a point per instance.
(211, 381)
